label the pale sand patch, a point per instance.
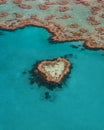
(55, 70)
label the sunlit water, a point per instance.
(79, 105)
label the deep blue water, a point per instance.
(79, 105)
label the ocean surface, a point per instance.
(78, 105)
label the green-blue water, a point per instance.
(79, 105)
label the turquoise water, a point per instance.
(79, 105)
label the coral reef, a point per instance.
(2, 2)
(50, 73)
(54, 70)
(83, 20)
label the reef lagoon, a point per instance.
(78, 105)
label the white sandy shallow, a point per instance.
(56, 70)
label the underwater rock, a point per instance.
(47, 95)
(2, 1)
(93, 21)
(63, 9)
(43, 7)
(3, 14)
(102, 15)
(17, 1)
(74, 46)
(24, 6)
(18, 15)
(74, 26)
(65, 16)
(50, 17)
(63, 2)
(83, 30)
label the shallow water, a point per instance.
(79, 105)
